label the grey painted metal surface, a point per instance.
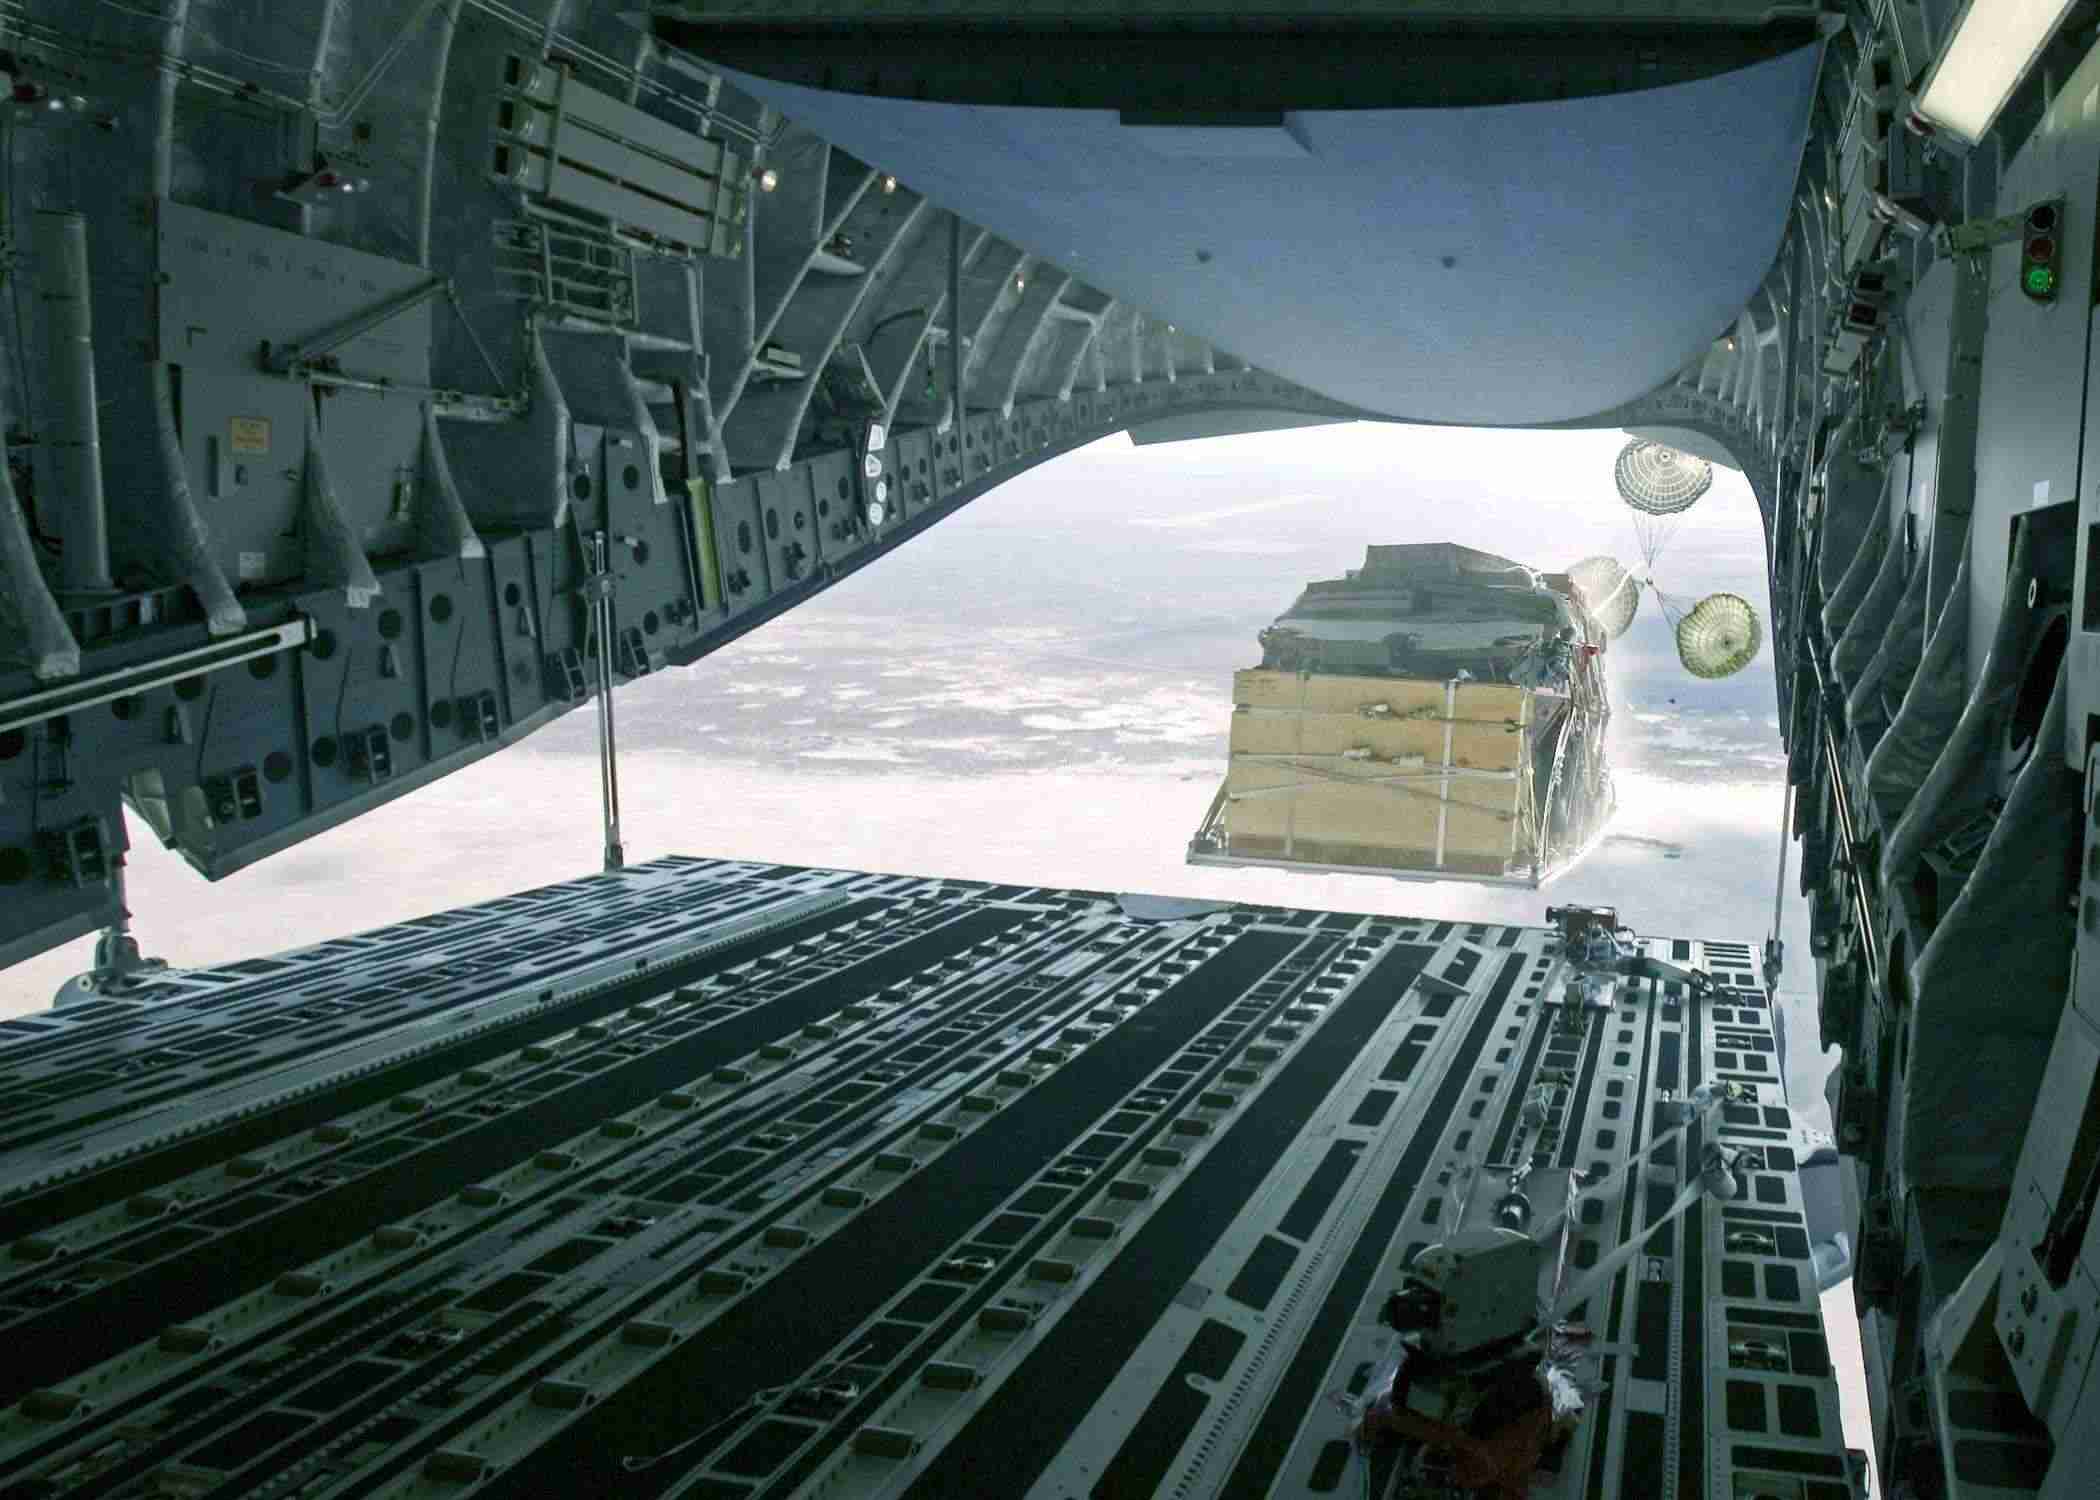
(1271, 255)
(421, 494)
(389, 398)
(908, 1147)
(72, 423)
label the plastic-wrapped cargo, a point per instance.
(1437, 714)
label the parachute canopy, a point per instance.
(1660, 481)
(1608, 592)
(1719, 636)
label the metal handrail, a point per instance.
(1862, 899)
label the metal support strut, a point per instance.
(1775, 949)
(608, 749)
(72, 420)
(955, 362)
(118, 963)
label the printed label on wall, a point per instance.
(248, 434)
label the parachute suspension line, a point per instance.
(1610, 593)
(1651, 535)
(1717, 636)
(1658, 482)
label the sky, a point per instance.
(1038, 690)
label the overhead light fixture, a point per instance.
(1993, 44)
(889, 182)
(1020, 282)
(768, 179)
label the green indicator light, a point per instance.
(2040, 281)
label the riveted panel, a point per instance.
(839, 487)
(515, 609)
(440, 592)
(646, 548)
(1038, 424)
(915, 482)
(628, 458)
(340, 657)
(406, 694)
(947, 463)
(674, 594)
(47, 903)
(1064, 419)
(980, 446)
(460, 654)
(374, 447)
(586, 479)
(556, 569)
(787, 516)
(230, 287)
(244, 788)
(739, 541)
(362, 690)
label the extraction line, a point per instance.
(1600, 1275)
(1700, 1112)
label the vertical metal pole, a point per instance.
(955, 362)
(1784, 541)
(1775, 949)
(1797, 288)
(72, 435)
(1443, 786)
(608, 749)
(1786, 823)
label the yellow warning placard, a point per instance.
(248, 434)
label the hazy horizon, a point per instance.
(1052, 668)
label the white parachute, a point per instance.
(1718, 636)
(1658, 480)
(1658, 484)
(1610, 593)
